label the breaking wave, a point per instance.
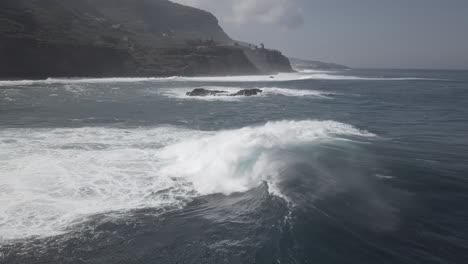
(53, 179)
(281, 77)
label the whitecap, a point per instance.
(281, 77)
(53, 179)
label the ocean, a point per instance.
(356, 166)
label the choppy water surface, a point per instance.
(360, 166)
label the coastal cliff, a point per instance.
(102, 38)
(301, 64)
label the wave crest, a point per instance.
(238, 160)
(281, 77)
(52, 179)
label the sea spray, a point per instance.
(52, 178)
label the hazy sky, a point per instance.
(358, 33)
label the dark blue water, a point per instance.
(361, 166)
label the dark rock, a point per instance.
(247, 92)
(204, 92)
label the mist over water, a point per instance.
(358, 166)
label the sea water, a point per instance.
(356, 166)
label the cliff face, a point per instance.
(301, 64)
(269, 61)
(26, 58)
(98, 38)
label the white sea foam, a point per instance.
(51, 179)
(281, 77)
(181, 93)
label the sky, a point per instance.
(423, 34)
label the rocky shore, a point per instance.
(204, 92)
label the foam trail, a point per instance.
(53, 179)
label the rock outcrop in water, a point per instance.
(205, 92)
(247, 92)
(101, 38)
